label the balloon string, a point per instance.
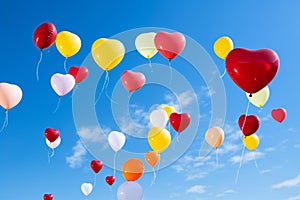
(111, 193)
(171, 72)
(50, 155)
(5, 123)
(65, 65)
(217, 156)
(240, 166)
(150, 65)
(255, 162)
(74, 90)
(115, 156)
(223, 73)
(103, 87)
(247, 109)
(38, 65)
(95, 180)
(58, 104)
(154, 177)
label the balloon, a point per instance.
(159, 118)
(45, 35)
(130, 191)
(48, 196)
(51, 134)
(248, 124)
(133, 81)
(10, 95)
(108, 53)
(79, 73)
(159, 139)
(110, 180)
(251, 142)
(86, 188)
(279, 114)
(116, 140)
(252, 70)
(144, 44)
(214, 136)
(223, 46)
(96, 165)
(62, 84)
(152, 158)
(67, 43)
(259, 98)
(133, 169)
(169, 110)
(180, 121)
(169, 45)
(54, 144)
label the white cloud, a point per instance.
(288, 183)
(197, 189)
(270, 149)
(193, 176)
(247, 157)
(229, 148)
(295, 197)
(226, 192)
(183, 99)
(265, 171)
(93, 134)
(77, 158)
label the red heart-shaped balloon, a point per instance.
(48, 197)
(51, 134)
(279, 114)
(248, 124)
(110, 180)
(96, 165)
(169, 45)
(180, 121)
(133, 81)
(252, 70)
(79, 73)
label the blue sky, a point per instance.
(25, 170)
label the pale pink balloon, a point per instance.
(133, 81)
(62, 84)
(279, 114)
(214, 136)
(10, 95)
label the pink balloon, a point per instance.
(169, 45)
(10, 95)
(133, 81)
(62, 84)
(279, 114)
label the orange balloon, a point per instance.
(152, 158)
(133, 169)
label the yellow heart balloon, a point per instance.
(223, 46)
(67, 43)
(144, 44)
(108, 53)
(259, 98)
(169, 110)
(159, 139)
(251, 142)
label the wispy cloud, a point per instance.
(247, 157)
(183, 99)
(288, 183)
(197, 189)
(226, 192)
(94, 134)
(77, 158)
(295, 197)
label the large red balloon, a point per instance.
(252, 70)
(96, 165)
(79, 73)
(45, 35)
(180, 121)
(248, 124)
(48, 197)
(51, 134)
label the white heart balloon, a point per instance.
(144, 44)
(116, 140)
(54, 144)
(86, 188)
(62, 84)
(159, 118)
(10, 95)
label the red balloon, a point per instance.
(48, 196)
(110, 180)
(133, 81)
(248, 124)
(45, 35)
(252, 70)
(180, 121)
(279, 114)
(169, 45)
(79, 73)
(51, 134)
(96, 165)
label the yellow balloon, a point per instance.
(223, 46)
(251, 142)
(108, 53)
(159, 139)
(169, 110)
(259, 98)
(144, 44)
(67, 43)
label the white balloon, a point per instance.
(62, 84)
(116, 140)
(159, 118)
(54, 144)
(86, 188)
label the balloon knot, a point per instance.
(250, 95)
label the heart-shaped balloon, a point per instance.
(48, 196)
(54, 144)
(279, 114)
(86, 188)
(116, 140)
(180, 121)
(110, 180)
(169, 45)
(79, 73)
(96, 165)
(133, 81)
(248, 124)
(252, 70)
(62, 84)
(51, 134)
(10, 95)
